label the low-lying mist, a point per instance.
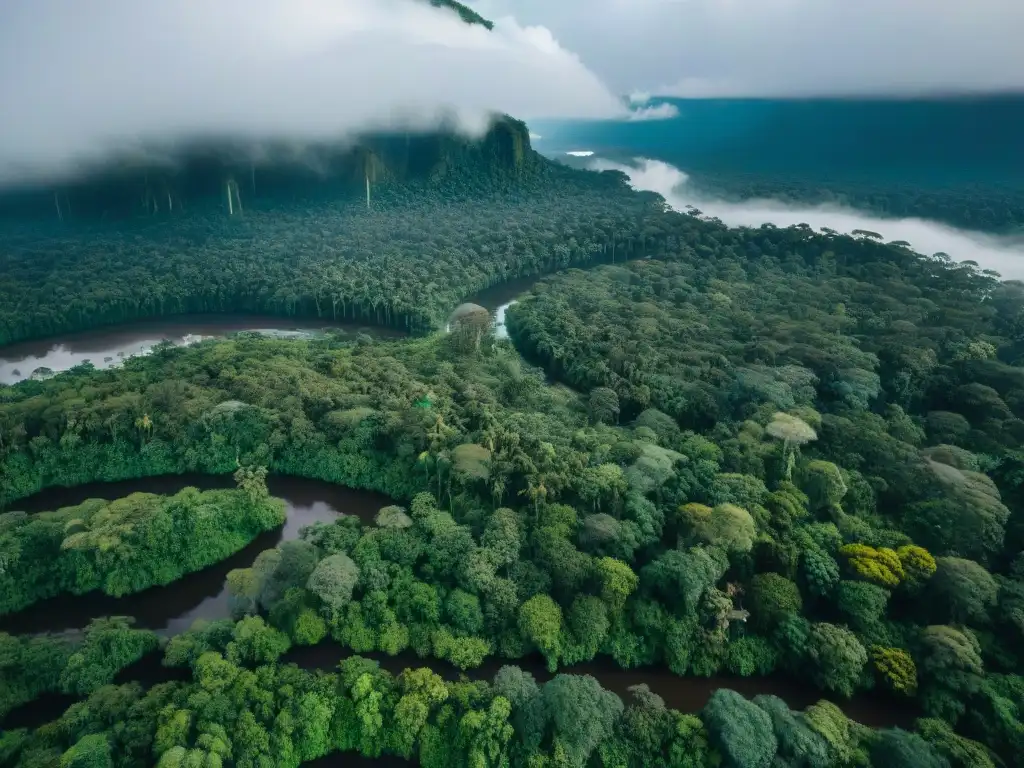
(1003, 255)
(82, 82)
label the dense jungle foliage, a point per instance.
(241, 710)
(129, 544)
(404, 262)
(891, 384)
(547, 528)
(73, 663)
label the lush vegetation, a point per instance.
(785, 452)
(405, 262)
(243, 711)
(129, 544)
(857, 396)
(76, 663)
(586, 563)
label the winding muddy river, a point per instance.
(111, 345)
(173, 608)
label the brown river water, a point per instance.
(173, 608)
(200, 595)
(109, 346)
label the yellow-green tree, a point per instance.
(918, 564)
(881, 566)
(895, 668)
(618, 582)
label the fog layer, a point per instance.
(80, 81)
(1000, 254)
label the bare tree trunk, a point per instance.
(232, 186)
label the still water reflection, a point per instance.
(499, 298)
(201, 595)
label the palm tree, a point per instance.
(424, 459)
(145, 426)
(536, 491)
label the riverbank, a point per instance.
(171, 609)
(108, 346)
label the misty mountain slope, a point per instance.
(201, 174)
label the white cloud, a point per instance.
(788, 47)
(1001, 254)
(662, 111)
(79, 80)
(639, 97)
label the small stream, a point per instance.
(499, 298)
(686, 694)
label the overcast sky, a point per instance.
(786, 47)
(80, 79)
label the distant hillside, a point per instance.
(224, 169)
(468, 14)
(959, 160)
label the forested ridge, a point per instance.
(783, 452)
(406, 261)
